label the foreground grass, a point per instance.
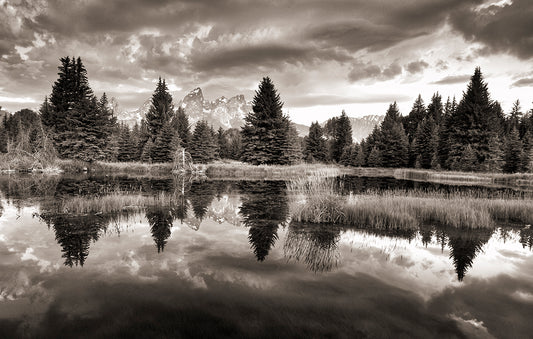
(315, 200)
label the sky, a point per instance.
(323, 56)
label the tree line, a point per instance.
(472, 135)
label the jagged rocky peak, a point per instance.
(221, 112)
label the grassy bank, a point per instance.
(315, 200)
(241, 171)
(498, 179)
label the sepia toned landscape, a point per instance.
(266, 169)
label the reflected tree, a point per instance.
(526, 237)
(427, 234)
(201, 195)
(464, 247)
(264, 207)
(160, 219)
(74, 234)
(315, 245)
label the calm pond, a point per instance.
(223, 259)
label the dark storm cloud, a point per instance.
(500, 29)
(524, 82)
(452, 79)
(361, 71)
(416, 66)
(262, 55)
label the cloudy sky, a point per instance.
(323, 56)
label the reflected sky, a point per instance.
(211, 272)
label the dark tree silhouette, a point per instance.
(266, 133)
(264, 207)
(160, 219)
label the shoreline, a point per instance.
(234, 170)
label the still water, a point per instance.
(224, 260)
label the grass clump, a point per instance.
(316, 200)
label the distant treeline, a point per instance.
(472, 135)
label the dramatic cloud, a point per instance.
(333, 47)
(504, 26)
(362, 71)
(416, 66)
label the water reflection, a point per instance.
(315, 245)
(346, 282)
(526, 237)
(264, 207)
(74, 234)
(160, 219)
(261, 206)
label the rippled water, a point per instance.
(225, 260)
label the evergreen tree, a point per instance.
(468, 161)
(146, 154)
(233, 135)
(472, 123)
(417, 114)
(513, 153)
(435, 109)
(514, 118)
(222, 144)
(3, 135)
(360, 158)
(202, 145)
(161, 110)
(393, 143)
(342, 136)
(315, 144)
(527, 142)
(265, 135)
(165, 145)
(79, 126)
(494, 163)
(425, 142)
(126, 148)
(375, 158)
(181, 124)
(349, 155)
(293, 148)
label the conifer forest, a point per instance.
(470, 134)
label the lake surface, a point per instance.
(224, 260)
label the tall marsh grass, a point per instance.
(114, 203)
(316, 200)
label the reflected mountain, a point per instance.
(160, 219)
(315, 245)
(264, 207)
(75, 233)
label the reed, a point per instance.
(316, 200)
(115, 202)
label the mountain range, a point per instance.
(230, 113)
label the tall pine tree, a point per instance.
(266, 133)
(315, 144)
